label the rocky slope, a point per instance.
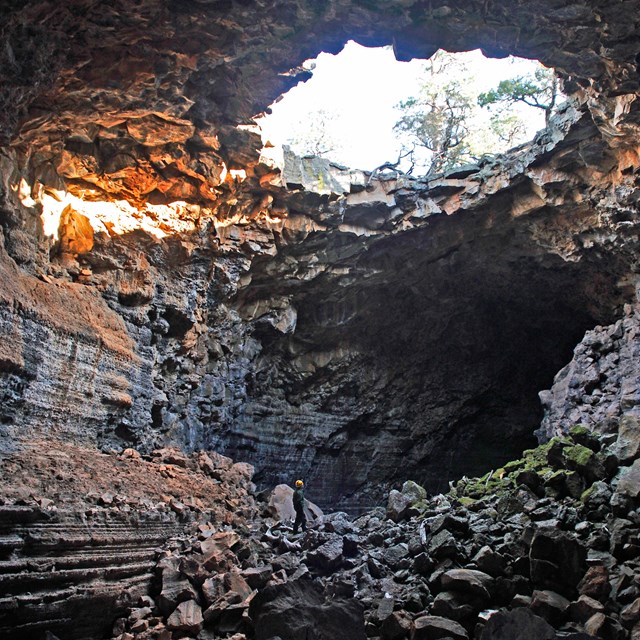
(544, 548)
(164, 284)
(602, 381)
(172, 546)
(80, 531)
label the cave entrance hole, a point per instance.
(364, 109)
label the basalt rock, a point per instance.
(75, 558)
(298, 610)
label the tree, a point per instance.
(539, 90)
(436, 119)
(313, 135)
(509, 128)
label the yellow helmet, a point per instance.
(299, 483)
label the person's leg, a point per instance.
(298, 521)
(303, 521)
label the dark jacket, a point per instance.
(298, 500)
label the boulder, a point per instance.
(213, 588)
(290, 610)
(443, 545)
(627, 446)
(187, 618)
(556, 559)
(435, 627)
(584, 461)
(397, 556)
(520, 624)
(175, 588)
(475, 583)
(171, 455)
(338, 523)
(550, 605)
(240, 473)
(280, 506)
(603, 626)
(350, 545)
(234, 582)
(452, 605)
(423, 564)
(397, 505)
(583, 608)
(630, 615)
(595, 583)
(490, 561)
(328, 556)
(448, 521)
(216, 551)
(414, 492)
(629, 481)
(385, 608)
(396, 626)
(257, 577)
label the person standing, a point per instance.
(298, 506)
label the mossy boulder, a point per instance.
(581, 434)
(559, 468)
(414, 492)
(585, 461)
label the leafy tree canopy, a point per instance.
(449, 122)
(539, 90)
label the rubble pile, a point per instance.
(79, 530)
(546, 547)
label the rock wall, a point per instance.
(164, 283)
(601, 383)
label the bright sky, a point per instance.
(362, 85)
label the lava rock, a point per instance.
(290, 610)
(328, 556)
(557, 559)
(627, 446)
(397, 505)
(629, 481)
(519, 623)
(469, 581)
(550, 605)
(435, 627)
(186, 618)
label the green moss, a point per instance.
(555, 478)
(544, 472)
(502, 481)
(586, 495)
(579, 430)
(579, 456)
(563, 464)
(514, 465)
(421, 505)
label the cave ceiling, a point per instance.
(165, 281)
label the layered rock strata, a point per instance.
(80, 531)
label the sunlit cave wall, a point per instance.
(162, 285)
